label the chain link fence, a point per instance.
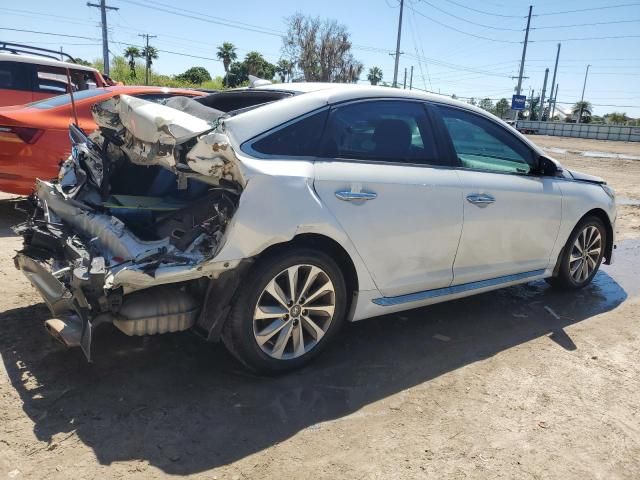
(582, 130)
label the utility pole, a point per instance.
(524, 54)
(411, 79)
(105, 41)
(404, 84)
(553, 80)
(146, 56)
(584, 85)
(395, 69)
(555, 97)
(544, 90)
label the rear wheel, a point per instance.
(582, 255)
(291, 306)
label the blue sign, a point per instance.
(518, 102)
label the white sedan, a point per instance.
(267, 217)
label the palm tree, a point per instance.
(582, 110)
(254, 62)
(227, 53)
(375, 75)
(131, 53)
(150, 54)
(283, 69)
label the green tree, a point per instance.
(616, 118)
(131, 53)
(584, 109)
(534, 103)
(472, 101)
(486, 104)
(81, 61)
(253, 64)
(502, 107)
(227, 53)
(321, 49)
(195, 76)
(454, 96)
(284, 68)
(375, 75)
(150, 54)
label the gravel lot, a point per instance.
(519, 383)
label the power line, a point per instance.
(203, 18)
(586, 24)
(48, 33)
(469, 21)
(604, 7)
(485, 13)
(586, 38)
(458, 30)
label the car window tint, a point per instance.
(385, 130)
(484, 145)
(54, 80)
(300, 138)
(14, 76)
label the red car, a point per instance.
(34, 138)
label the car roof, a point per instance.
(12, 57)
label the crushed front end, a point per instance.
(129, 232)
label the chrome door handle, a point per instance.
(349, 196)
(480, 198)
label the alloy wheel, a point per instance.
(585, 254)
(294, 311)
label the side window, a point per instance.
(385, 130)
(54, 80)
(14, 76)
(298, 139)
(481, 144)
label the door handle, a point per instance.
(349, 196)
(480, 198)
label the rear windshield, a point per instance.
(61, 100)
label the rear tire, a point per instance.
(289, 308)
(582, 255)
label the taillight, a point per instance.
(22, 134)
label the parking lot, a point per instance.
(519, 383)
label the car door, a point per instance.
(385, 181)
(512, 213)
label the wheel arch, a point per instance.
(329, 246)
(602, 215)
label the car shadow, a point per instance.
(9, 215)
(186, 406)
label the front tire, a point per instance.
(582, 255)
(290, 307)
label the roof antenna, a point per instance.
(73, 103)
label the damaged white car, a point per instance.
(266, 217)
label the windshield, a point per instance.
(60, 100)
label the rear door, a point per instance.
(395, 195)
(512, 214)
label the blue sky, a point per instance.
(464, 47)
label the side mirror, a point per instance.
(548, 167)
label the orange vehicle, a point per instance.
(34, 138)
(29, 74)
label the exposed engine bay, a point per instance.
(129, 232)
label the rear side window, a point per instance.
(54, 80)
(384, 130)
(298, 139)
(15, 76)
(483, 145)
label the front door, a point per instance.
(512, 214)
(397, 198)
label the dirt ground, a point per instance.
(521, 383)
